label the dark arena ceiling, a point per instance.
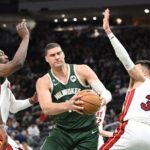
(12, 11)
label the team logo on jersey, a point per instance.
(73, 78)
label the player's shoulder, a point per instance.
(81, 67)
(43, 82)
(43, 79)
(147, 81)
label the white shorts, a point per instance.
(129, 135)
(12, 144)
(100, 141)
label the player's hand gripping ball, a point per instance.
(91, 102)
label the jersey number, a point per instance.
(146, 106)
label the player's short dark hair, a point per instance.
(145, 63)
(50, 46)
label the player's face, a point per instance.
(55, 57)
(3, 58)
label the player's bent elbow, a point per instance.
(18, 64)
(13, 111)
(49, 111)
(46, 111)
(10, 70)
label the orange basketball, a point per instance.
(91, 101)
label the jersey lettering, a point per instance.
(98, 121)
(99, 113)
(65, 92)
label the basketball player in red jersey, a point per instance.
(100, 115)
(8, 103)
(134, 131)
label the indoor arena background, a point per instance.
(77, 26)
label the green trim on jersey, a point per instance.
(62, 92)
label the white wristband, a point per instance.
(100, 89)
(106, 95)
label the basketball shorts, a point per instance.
(60, 139)
(130, 135)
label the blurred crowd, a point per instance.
(31, 125)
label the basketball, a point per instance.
(91, 101)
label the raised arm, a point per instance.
(120, 51)
(87, 74)
(19, 58)
(45, 99)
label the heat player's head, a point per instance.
(3, 57)
(144, 66)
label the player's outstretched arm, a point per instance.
(120, 51)
(19, 58)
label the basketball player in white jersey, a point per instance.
(100, 115)
(134, 131)
(8, 103)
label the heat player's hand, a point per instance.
(22, 29)
(106, 25)
(34, 98)
(3, 139)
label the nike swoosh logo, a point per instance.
(56, 84)
(94, 131)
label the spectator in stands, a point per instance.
(33, 134)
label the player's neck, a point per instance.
(61, 72)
